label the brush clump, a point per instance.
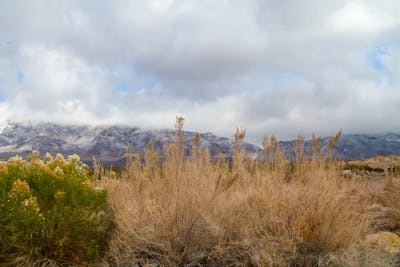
(51, 214)
(176, 210)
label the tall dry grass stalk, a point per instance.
(390, 199)
(194, 211)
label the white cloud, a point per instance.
(56, 84)
(356, 18)
(272, 66)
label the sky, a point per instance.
(282, 67)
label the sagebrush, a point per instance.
(50, 213)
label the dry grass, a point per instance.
(390, 199)
(193, 211)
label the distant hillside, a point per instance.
(356, 146)
(109, 144)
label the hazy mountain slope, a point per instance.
(356, 146)
(109, 144)
(367, 146)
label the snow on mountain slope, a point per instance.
(356, 146)
(107, 144)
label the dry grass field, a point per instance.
(170, 209)
(197, 211)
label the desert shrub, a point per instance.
(394, 170)
(360, 254)
(50, 212)
(359, 168)
(390, 199)
(193, 211)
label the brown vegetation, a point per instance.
(194, 211)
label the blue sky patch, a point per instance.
(6, 43)
(376, 61)
(283, 78)
(1, 93)
(20, 76)
(375, 57)
(123, 87)
(131, 86)
(127, 80)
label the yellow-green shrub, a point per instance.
(50, 211)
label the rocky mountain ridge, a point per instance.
(355, 146)
(109, 144)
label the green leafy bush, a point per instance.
(51, 212)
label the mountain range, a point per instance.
(109, 144)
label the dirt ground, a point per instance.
(372, 176)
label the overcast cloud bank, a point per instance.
(279, 67)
